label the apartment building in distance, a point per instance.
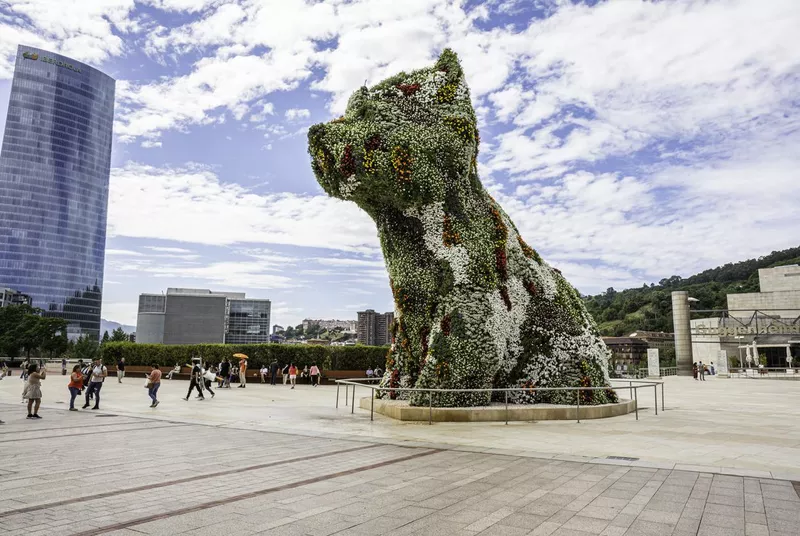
(374, 329)
(197, 316)
(10, 296)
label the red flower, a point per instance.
(408, 89)
(445, 325)
(347, 166)
(502, 263)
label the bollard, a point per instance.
(578, 414)
(636, 402)
(506, 407)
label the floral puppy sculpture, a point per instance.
(476, 307)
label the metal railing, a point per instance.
(362, 382)
(775, 373)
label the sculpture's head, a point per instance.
(402, 143)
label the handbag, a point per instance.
(148, 384)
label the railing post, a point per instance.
(337, 394)
(636, 402)
(346, 393)
(630, 390)
(655, 396)
(430, 407)
(372, 406)
(353, 405)
(578, 414)
(662, 396)
(506, 407)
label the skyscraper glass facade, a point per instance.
(248, 322)
(54, 173)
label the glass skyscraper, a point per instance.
(54, 172)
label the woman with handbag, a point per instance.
(153, 383)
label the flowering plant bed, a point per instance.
(476, 306)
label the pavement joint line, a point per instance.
(252, 494)
(157, 485)
(88, 433)
(70, 428)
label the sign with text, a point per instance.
(722, 362)
(653, 368)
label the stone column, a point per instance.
(683, 334)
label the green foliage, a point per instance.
(118, 335)
(22, 329)
(649, 308)
(106, 338)
(85, 348)
(326, 357)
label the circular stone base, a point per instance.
(400, 410)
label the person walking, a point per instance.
(63, 366)
(120, 369)
(34, 392)
(243, 371)
(285, 373)
(694, 370)
(75, 386)
(196, 379)
(701, 370)
(314, 373)
(153, 383)
(98, 376)
(225, 374)
(292, 374)
(209, 376)
(273, 372)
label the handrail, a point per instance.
(359, 382)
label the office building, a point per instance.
(756, 324)
(375, 329)
(12, 297)
(54, 170)
(276, 329)
(197, 316)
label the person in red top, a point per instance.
(75, 386)
(292, 374)
(153, 383)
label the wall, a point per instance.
(150, 328)
(773, 303)
(194, 319)
(780, 278)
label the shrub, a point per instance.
(326, 357)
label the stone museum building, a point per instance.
(765, 323)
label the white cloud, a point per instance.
(193, 205)
(123, 253)
(297, 113)
(168, 249)
(87, 30)
(149, 144)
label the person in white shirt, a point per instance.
(98, 376)
(263, 373)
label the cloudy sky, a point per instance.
(629, 140)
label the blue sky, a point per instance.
(628, 140)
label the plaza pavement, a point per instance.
(268, 460)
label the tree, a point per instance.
(85, 348)
(118, 335)
(105, 338)
(53, 336)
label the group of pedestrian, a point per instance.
(699, 370)
(200, 378)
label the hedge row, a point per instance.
(326, 357)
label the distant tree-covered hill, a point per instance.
(650, 307)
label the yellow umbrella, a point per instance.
(240, 356)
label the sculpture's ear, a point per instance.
(448, 62)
